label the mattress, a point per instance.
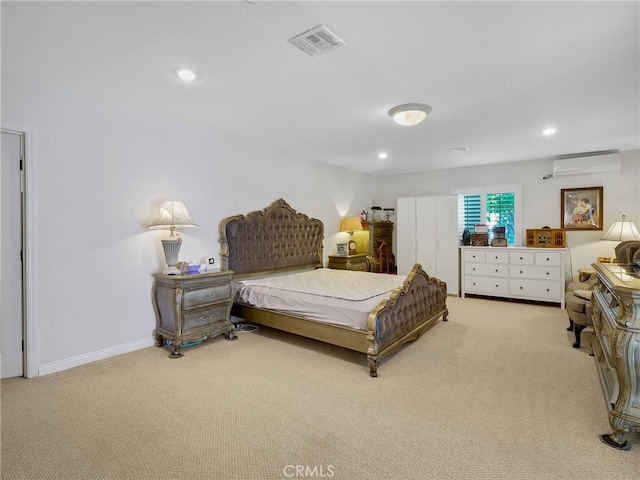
(340, 297)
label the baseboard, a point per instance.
(76, 361)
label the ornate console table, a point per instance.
(616, 347)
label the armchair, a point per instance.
(578, 305)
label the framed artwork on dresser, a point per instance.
(581, 208)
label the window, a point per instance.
(495, 206)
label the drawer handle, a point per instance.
(204, 319)
(210, 295)
(521, 272)
(548, 273)
(520, 258)
(496, 270)
(520, 288)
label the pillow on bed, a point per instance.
(584, 294)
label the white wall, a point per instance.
(541, 199)
(101, 170)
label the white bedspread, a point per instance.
(340, 297)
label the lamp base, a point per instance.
(172, 271)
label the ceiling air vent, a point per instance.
(317, 40)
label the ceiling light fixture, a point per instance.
(382, 155)
(409, 114)
(549, 131)
(185, 74)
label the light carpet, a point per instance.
(497, 392)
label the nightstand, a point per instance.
(356, 262)
(191, 308)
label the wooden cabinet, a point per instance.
(193, 307)
(356, 262)
(427, 233)
(514, 272)
(369, 241)
(616, 347)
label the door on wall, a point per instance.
(11, 278)
(427, 233)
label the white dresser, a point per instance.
(514, 272)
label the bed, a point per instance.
(277, 242)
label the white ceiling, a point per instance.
(495, 73)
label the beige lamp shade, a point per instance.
(350, 224)
(173, 214)
(621, 230)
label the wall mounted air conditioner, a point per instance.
(607, 163)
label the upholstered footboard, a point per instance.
(411, 309)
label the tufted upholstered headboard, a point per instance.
(274, 239)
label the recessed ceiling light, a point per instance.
(409, 114)
(549, 131)
(459, 149)
(185, 74)
(382, 155)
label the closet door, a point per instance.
(405, 234)
(427, 234)
(447, 242)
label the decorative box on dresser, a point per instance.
(192, 307)
(514, 272)
(356, 262)
(616, 347)
(369, 241)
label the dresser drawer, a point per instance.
(485, 285)
(383, 229)
(539, 289)
(549, 258)
(521, 258)
(474, 256)
(525, 271)
(497, 257)
(205, 296)
(195, 319)
(486, 269)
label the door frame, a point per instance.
(29, 250)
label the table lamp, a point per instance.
(351, 224)
(173, 214)
(622, 230)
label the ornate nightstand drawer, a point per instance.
(205, 296)
(357, 262)
(195, 319)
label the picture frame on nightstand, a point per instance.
(341, 249)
